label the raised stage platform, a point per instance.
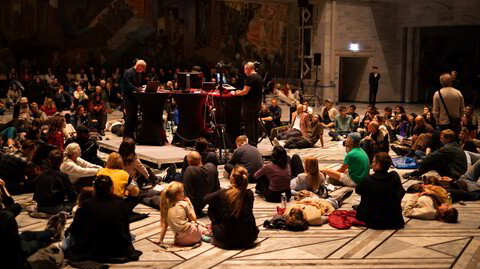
(165, 154)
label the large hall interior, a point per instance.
(239, 134)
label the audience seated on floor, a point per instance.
(328, 114)
(201, 146)
(55, 135)
(273, 179)
(381, 196)
(466, 143)
(311, 180)
(356, 165)
(355, 117)
(314, 133)
(199, 180)
(178, 213)
(298, 127)
(80, 117)
(276, 112)
(88, 146)
(17, 169)
(470, 182)
(101, 229)
(54, 192)
(343, 125)
(433, 203)
(123, 185)
(132, 165)
(375, 140)
(245, 155)
(231, 213)
(79, 171)
(449, 160)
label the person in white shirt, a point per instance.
(78, 170)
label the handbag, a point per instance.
(455, 123)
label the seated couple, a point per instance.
(230, 210)
(302, 133)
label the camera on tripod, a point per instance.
(221, 69)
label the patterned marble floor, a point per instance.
(421, 244)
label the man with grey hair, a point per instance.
(448, 105)
(252, 102)
(132, 80)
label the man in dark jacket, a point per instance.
(199, 180)
(382, 193)
(54, 192)
(132, 82)
(449, 160)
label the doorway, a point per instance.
(351, 73)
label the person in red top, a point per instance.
(55, 133)
(98, 113)
(49, 107)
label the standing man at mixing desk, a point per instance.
(132, 78)
(251, 102)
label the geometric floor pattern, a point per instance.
(421, 244)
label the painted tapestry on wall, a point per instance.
(256, 31)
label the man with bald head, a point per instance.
(448, 105)
(299, 127)
(199, 180)
(421, 127)
(376, 141)
(252, 101)
(132, 81)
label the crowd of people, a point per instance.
(54, 156)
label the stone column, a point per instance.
(189, 11)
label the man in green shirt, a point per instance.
(356, 165)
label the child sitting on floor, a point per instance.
(177, 211)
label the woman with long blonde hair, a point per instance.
(231, 213)
(176, 212)
(311, 180)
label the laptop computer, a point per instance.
(152, 86)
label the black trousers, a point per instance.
(131, 106)
(372, 99)
(31, 242)
(100, 117)
(271, 196)
(251, 112)
(296, 166)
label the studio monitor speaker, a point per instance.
(317, 59)
(302, 3)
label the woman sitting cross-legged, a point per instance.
(123, 186)
(311, 180)
(101, 228)
(274, 178)
(132, 165)
(176, 212)
(231, 213)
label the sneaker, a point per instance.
(344, 197)
(206, 238)
(276, 143)
(411, 175)
(56, 224)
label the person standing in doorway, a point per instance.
(373, 81)
(132, 82)
(251, 102)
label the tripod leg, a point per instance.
(262, 128)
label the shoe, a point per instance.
(400, 150)
(56, 224)
(102, 133)
(206, 238)
(344, 197)
(276, 143)
(334, 139)
(412, 175)
(172, 169)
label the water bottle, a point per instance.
(449, 199)
(284, 200)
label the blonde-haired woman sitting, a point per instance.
(311, 180)
(177, 211)
(231, 213)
